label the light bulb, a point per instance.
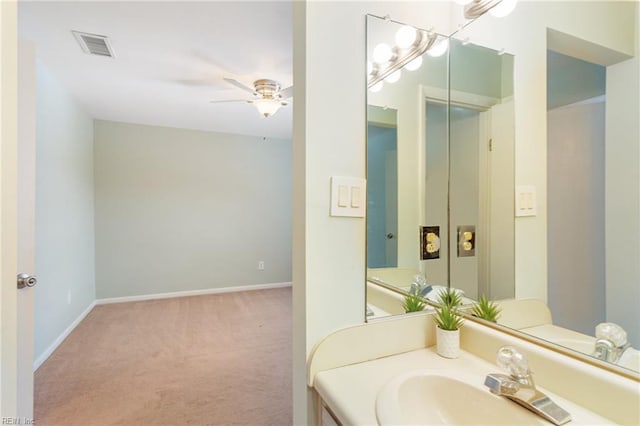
(503, 8)
(382, 53)
(415, 64)
(406, 36)
(377, 87)
(393, 77)
(439, 48)
(267, 107)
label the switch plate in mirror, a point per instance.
(466, 241)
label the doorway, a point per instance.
(382, 196)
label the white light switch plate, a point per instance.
(355, 202)
(526, 204)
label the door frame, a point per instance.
(8, 208)
(17, 200)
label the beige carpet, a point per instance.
(205, 360)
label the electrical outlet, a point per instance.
(261, 265)
(466, 241)
(429, 242)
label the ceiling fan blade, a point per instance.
(240, 85)
(286, 93)
(229, 100)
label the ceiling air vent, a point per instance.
(94, 44)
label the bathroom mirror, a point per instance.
(535, 33)
(395, 153)
(481, 170)
(440, 159)
(572, 181)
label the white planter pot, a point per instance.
(448, 343)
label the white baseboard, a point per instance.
(46, 354)
(187, 293)
(53, 346)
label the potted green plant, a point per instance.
(486, 309)
(448, 323)
(413, 303)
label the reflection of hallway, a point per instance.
(215, 359)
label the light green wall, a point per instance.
(184, 210)
(329, 140)
(572, 80)
(64, 211)
(576, 200)
(526, 34)
(622, 196)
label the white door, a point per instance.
(17, 177)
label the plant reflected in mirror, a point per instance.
(486, 309)
(413, 303)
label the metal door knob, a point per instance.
(26, 280)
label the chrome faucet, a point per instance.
(611, 342)
(519, 386)
(606, 350)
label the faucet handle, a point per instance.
(513, 361)
(612, 332)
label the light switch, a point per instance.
(355, 196)
(343, 196)
(348, 196)
(526, 201)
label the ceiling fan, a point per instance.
(269, 97)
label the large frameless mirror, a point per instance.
(439, 168)
(444, 208)
(415, 63)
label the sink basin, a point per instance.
(433, 398)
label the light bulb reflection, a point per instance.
(439, 48)
(393, 77)
(377, 87)
(415, 64)
(406, 36)
(503, 8)
(382, 53)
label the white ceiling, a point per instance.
(170, 59)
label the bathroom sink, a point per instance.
(436, 397)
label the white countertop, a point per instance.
(351, 391)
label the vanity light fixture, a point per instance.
(411, 43)
(498, 8)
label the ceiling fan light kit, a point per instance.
(267, 107)
(269, 95)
